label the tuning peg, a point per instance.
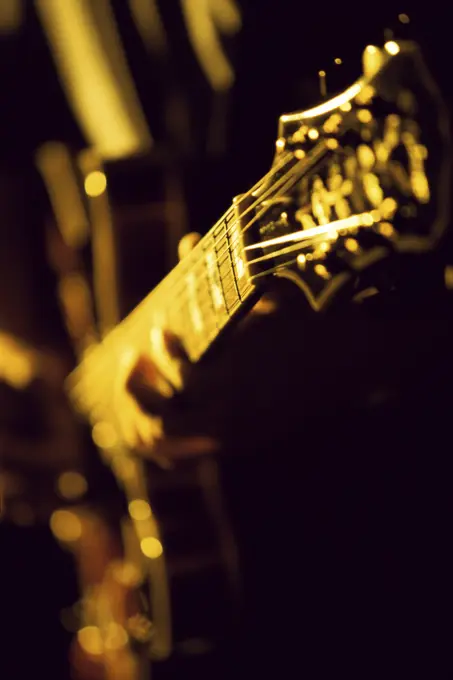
(322, 84)
(403, 29)
(322, 78)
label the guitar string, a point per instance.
(274, 171)
(139, 322)
(283, 181)
(278, 188)
(192, 261)
(230, 246)
(207, 301)
(309, 160)
(97, 398)
(223, 247)
(223, 243)
(227, 252)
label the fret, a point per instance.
(195, 301)
(219, 229)
(215, 285)
(211, 293)
(201, 320)
(225, 267)
(238, 260)
(228, 230)
(194, 307)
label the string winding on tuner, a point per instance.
(355, 166)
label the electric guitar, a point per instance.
(358, 183)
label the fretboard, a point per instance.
(197, 300)
(202, 294)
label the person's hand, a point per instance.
(154, 384)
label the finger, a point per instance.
(188, 243)
(179, 357)
(147, 372)
(148, 386)
(170, 357)
(174, 347)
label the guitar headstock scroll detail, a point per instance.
(355, 179)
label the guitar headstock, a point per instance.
(355, 179)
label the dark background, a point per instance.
(277, 57)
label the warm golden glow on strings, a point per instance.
(330, 229)
(214, 279)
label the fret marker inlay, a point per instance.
(240, 268)
(195, 312)
(236, 254)
(216, 291)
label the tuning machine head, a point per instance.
(363, 174)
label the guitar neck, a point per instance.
(196, 301)
(202, 294)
